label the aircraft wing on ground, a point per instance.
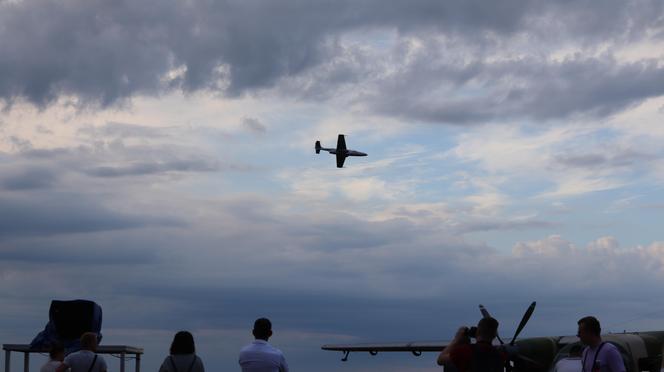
(416, 348)
(536, 353)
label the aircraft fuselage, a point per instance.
(340, 151)
(348, 152)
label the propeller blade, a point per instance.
(524, 320)
(485, 314)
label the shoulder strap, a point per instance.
(93, 363)
(597, 354)
(583, 366)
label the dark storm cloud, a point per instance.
(254, 125)
(594, 22)
(52, 251)
(105, 51)
(148, 168)
(351, 233)
(46, 153)
(494, 225)
(26, 179)
(609, 159)
(303, 309)
(155, 134)
(596, 86)
(110, 158)
(206, 277)
(530, 87)
(60, 213)
(124, 130)
(454, 289)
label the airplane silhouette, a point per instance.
(640, 351)
(340, 151)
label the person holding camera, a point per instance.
(474, 357)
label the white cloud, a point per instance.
(363, 189)
(570, 185)
(487, 203)
(554, 245)
(603, 258)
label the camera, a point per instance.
(471, 332)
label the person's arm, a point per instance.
(460, 338)
(63, 367)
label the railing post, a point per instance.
(8, 355)
(122, 362)
(26, 362)
(138, 362)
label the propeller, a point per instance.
(524, 320)
(513, 353)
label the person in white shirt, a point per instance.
(598, 356)
(85, 360)
(182, 356)
(259, 356)
(56, 355)
(572, 363)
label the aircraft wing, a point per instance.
(341, 143)
(341, 157)
(417, 347)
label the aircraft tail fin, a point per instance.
(317, 147)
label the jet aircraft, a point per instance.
(340, 151)
(641, 351)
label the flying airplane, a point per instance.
(641, 351)
(340, 151)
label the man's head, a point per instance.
(89, 341)
(487, 329)
(589, 330)
(262, 329)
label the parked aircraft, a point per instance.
(641, 351)
(340, 151)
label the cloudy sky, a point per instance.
(156, 156)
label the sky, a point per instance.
(157, 157)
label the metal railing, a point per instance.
(123, 352)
